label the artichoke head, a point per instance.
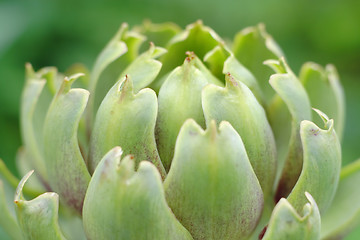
(178, 134)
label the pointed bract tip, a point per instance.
(68, 81)
(73, 77)
(29, 71)
(199, 22)
(126, 85)
(190, 55)
(124, 25)
(18, 192)
(117, 151)
(327, 121)
(230, 81)
(310, 198)
(261, 26)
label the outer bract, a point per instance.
(175, 134)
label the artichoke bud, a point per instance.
(286, 222)
(38, 218)
(211, 186)
(211, 144)
(321, 165)
(63, 158)
(237, 104)
(179, 99)
(126, 119)
(135, 206)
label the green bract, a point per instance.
(176, 134)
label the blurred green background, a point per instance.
(60, 33)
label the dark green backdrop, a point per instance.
(62, 32)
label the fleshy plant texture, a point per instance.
(177, 134)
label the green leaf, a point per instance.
(293, 94)
(38, 218)
(113, 50)
(35, 100)
(160, 33)
(222, 61)
(64, 162)
(233, 66)
(196, 38)
(344, 212)
(252, 46)
(211, 186)
(215, 59)
(7, 220)
(321, 165)
(71, 225)
(123, 204)
(286, 223)
(179, 99)
(128, 120)
(83, 81)
(12, 182)
(120, 51)
(144, 69)
(325, 92)
(23, 165)
(204, 70)
(237, 104)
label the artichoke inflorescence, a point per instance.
(185, 137)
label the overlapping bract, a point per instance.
(192, 139)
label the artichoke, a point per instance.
(186, 137)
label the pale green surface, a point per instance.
(321, 165)
(135, 206)
(233, 66)
(211, 186)
(7, 220)
(237, 104)
(122, 49)
(287, 223)
(113, 50)
(290, 90)
(128, 120)
(354, 129)
(34, 85)
(38, 218)
(64, 162)
(179, 99)
(325, 93)
(252, 46)
(144, 69)
(196, 37)
(344, 212)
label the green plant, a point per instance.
(159, 147)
